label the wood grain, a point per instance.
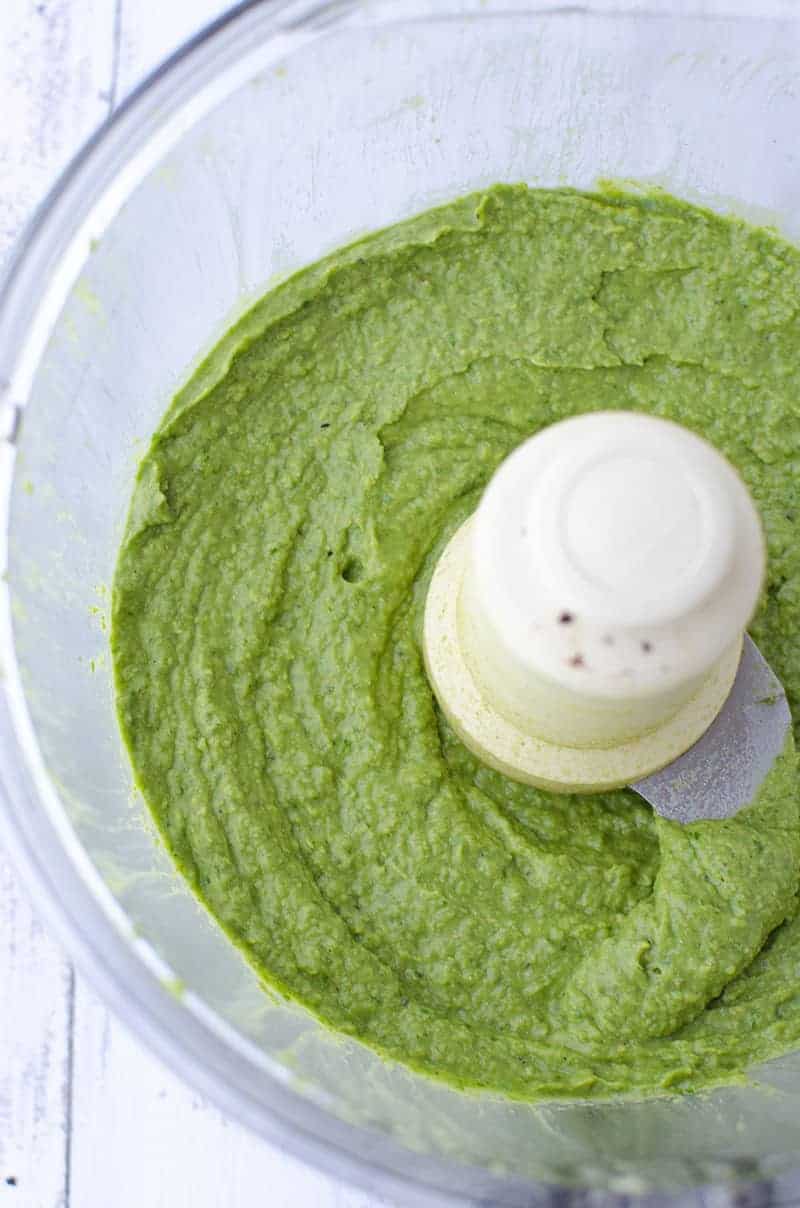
(56, 73)
(36, 995)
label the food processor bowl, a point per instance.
(283, 131)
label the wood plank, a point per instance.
(55, 64)
(36, 992)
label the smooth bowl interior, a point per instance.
(290, 130)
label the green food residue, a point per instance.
(266, 641)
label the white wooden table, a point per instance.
(88, 1119)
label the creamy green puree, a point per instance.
(270, 686)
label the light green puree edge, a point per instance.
(266, 642)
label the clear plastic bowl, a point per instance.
(282, 132)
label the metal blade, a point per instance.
(723, 771)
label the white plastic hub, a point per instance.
(599, 595)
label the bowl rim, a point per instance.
(34, 828)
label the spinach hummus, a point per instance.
(270, 686)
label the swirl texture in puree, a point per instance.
(270, 687)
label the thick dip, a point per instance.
(270, 686)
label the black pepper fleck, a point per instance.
(566, 618)
(324, 425)
(647, 647)
(11, 1181)
(577, 660)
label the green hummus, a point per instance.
(266, 640)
